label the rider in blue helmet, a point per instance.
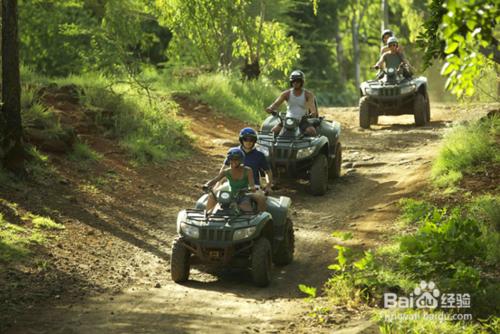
(257, 161)
(240, 180)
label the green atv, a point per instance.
(232, 237)
(394, 94)
(293, 155)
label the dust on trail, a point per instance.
(390, 161)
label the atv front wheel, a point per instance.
(261, 262)
(286, 248)
(179, 262)
(373, 119)
(364, 113)
(319, 175)
(420, 110)
(335, 169)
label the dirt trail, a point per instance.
(381, 165)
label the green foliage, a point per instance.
(16, 239)
(465, 149)
(245, 100)
(342, 235)
(82, 152)
(464, 33)
(46, 223)
(413, 210)
(64, 37)
(147, 126)
(225, 34)
(308, 290)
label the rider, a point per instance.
(392, 58)
(300, 103)
(256, 160)
(386, 34)
(240, 179)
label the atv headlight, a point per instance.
(262, 149)
(190, 230)
(408, 89)
(244, 233)
(371, 91)
(305, 152)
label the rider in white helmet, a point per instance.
(300, 104)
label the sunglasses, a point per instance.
(392, 45)
(249, 139)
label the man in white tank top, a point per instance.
(300, 103)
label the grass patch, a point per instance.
(46, 223)
(229, 94)
(467, 149)
(82, 152)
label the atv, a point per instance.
(394, 93)
(293, 155)
(233, 238)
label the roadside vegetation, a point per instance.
(448, 237)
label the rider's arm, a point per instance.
(310, 105)
(269, 179)
(379, 62)
(275, 105)
(251, 183)
(216, 179)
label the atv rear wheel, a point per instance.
(420, 110)
(319, 175)
(286, 248)
(335, 169)
(179, 262)
(261, 262)
(364, 113)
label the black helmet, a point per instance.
(248, 133)
(297, 75)
(235, 153)
(386, 32)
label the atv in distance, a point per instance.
(394, 94)
(231, 237)
(293, 155)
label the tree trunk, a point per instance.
(11, 132)
(340, 53)
(355, 48)
(385, 15)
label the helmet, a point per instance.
(392, 40)
(247, 132)
(386, 32)
(297, 75)
(235, 153)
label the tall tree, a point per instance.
(11, 143)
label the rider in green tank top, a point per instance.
(239, 176)
(237, 185)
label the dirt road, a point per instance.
(380, 166)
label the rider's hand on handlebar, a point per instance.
(271, 111)
(376, 67)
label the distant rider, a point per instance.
(300, 103)
(393, 58)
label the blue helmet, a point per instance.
(235, 153)
(248, 133)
